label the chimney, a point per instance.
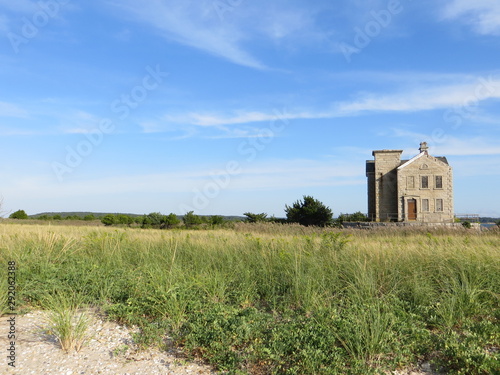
(423, 147)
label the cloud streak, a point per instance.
(429, 96)
(12, 110)
(195, 24)
(483, 15)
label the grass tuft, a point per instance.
(68, 321)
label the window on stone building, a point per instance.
(410, 182)
(439, 205)
(439, 182)
(425, 205)
(425, 182)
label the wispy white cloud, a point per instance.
(425, 98)
(483, 15)
(79, 122)
(434, 92)
(4, 23)
(271, 174)
(227, 29)
(20, 6)
(195, 24)
(450, 145)
(12, 110)
(470, 146)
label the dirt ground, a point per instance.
(111, 350)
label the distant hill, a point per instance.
(81, 214)
(99, 215)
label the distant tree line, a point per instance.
(307, 212)
(22, 215)
(160, 221)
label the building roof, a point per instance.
(408, 162)
(370, 164)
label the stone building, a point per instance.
(419, 189)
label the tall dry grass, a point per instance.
(358, 298)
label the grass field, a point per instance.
(277, 299)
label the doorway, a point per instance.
(412, 209)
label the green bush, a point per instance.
(19, 214)
(255, 218)
(191, 220)
(309, 212)
(108, 219)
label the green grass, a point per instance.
(279, 299)
(67, 321)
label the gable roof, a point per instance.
(442, 159)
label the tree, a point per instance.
(123, 219)
(357, 216)
(89, 217)
(153, 219)
(171, 220)
(19, 214)
(190, 219)
(216, 220)
(309, 212)
(255, 218)
(108, 219)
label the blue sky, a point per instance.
(229, 106)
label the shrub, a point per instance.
(190, 219)
(356, 217)
(255, 218)
(216, 220)
(108, 219)
(124, 219)
(309, 212)
(466, 224)
(19, 214)
(171, 220)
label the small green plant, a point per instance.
(68, 321)
(467, 224)
(120, 350)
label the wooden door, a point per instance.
(412, 209)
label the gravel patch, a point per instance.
(111, 350)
